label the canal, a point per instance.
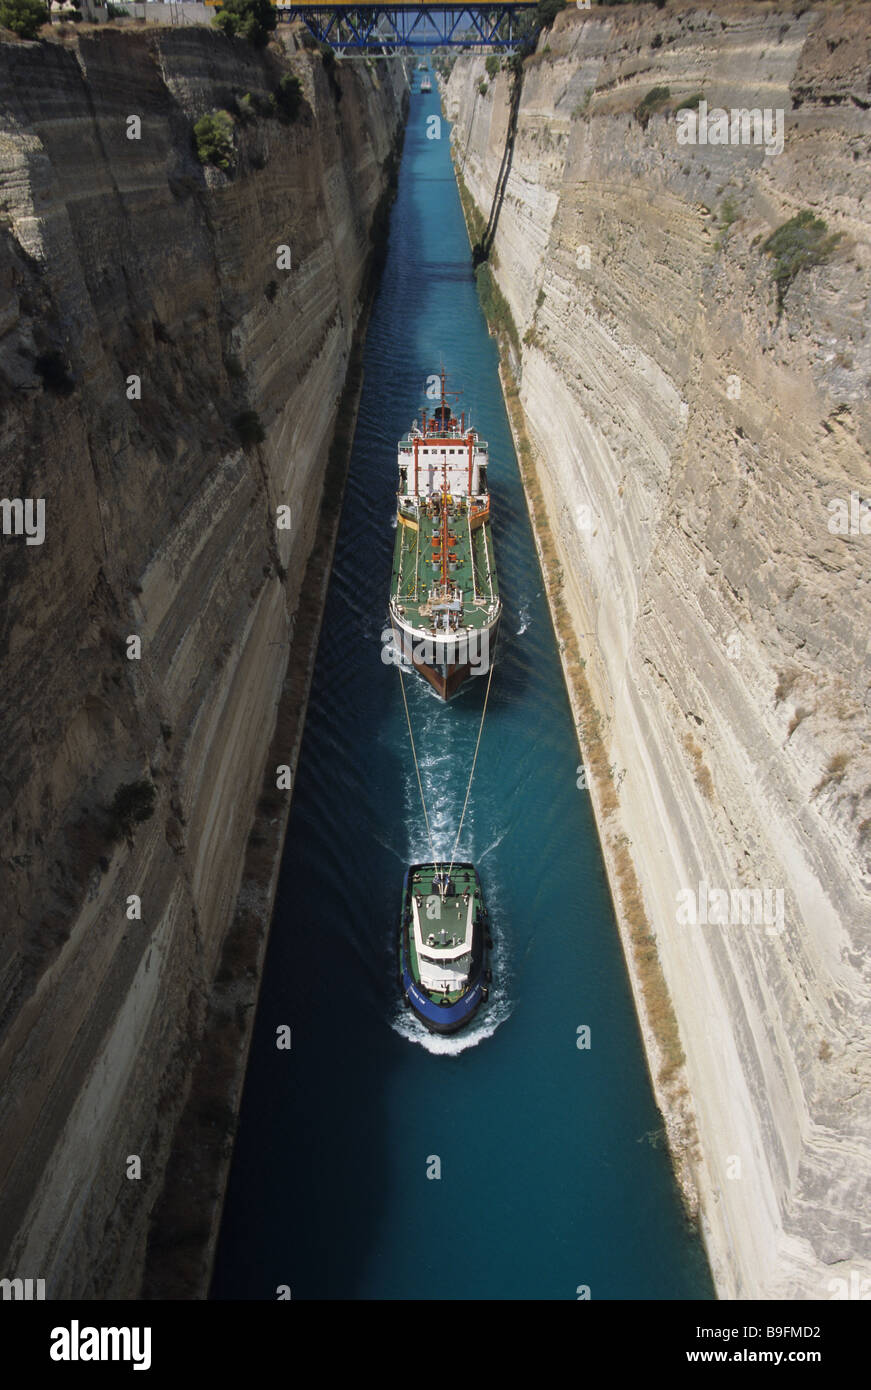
(553, 1171)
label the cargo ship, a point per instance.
(444, 595)
(444, 945)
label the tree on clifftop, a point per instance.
(253, 20)
(546, 12)
(24, 17)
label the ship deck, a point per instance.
(415, 571)
(452, 911)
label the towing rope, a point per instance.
(414, 755)
(472, 773)
(417, 771)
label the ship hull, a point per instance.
(446, 677)
(438, 1018)
(445, 680)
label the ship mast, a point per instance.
(444, 525)
(445, 410)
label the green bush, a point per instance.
(23, 17)
(496, 308)
(655, 98)
(132, 803)
(253, 20)
(802, 242)
(248, 427)
(546, 12)
(690, 103)
(728, 214)
(288, 96)
(482, 87)
(493, 64)
(214, 136)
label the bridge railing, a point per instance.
(407, 24)
(415, 25)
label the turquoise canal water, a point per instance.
(553, 1170)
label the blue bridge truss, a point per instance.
(391, 28)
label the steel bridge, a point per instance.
(350, 28)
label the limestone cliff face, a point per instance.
(689, 441)
(119, 258)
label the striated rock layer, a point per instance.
(123, 257)
(689, 441)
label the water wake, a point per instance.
(483, 1026)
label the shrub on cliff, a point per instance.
(496, 308)
(802, 242)
(214, 136)
(132, 803)
(248, 427)
(288, 96)
(493, 64)
(24, 17)
(253, 20)
(655, 98)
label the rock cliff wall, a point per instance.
(150, 331)
(691, 443)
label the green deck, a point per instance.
(452, 913)
(474, 574)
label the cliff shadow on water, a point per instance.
(145, 322)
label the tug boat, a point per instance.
(444, 945)
(444, 594)
(425, 84)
